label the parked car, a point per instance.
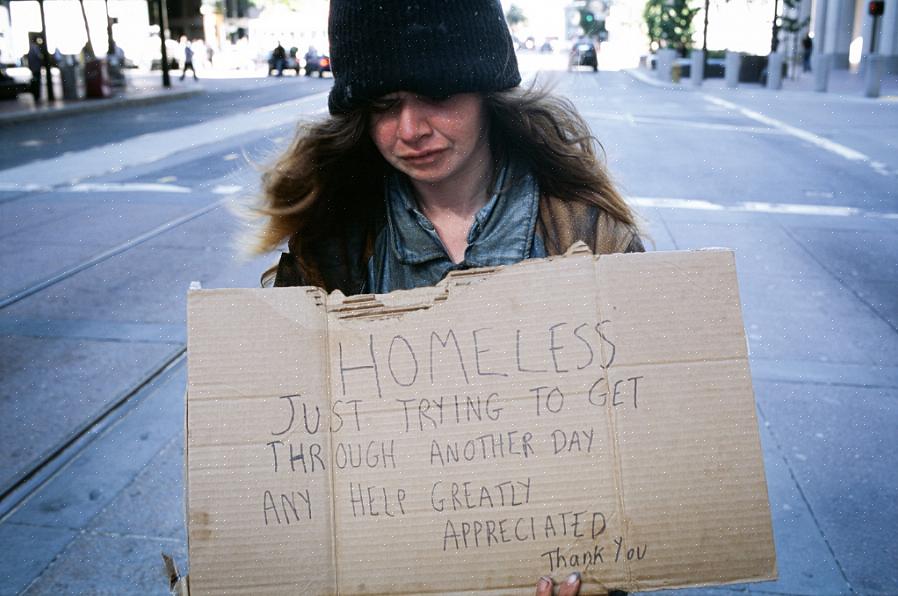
(290, 63)
(584, 53)
(14, 81)
(319, 64)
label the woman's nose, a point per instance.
(413, 123)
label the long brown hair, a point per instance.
(332, 175)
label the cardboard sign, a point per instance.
(578, 413)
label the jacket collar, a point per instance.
(502, 230)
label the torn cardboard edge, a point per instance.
(394, 311)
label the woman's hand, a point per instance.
(570, 587)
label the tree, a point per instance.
(669, 23)
(515, 16)
(789, 23)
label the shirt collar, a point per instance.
(502, 231)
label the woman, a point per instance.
(433, 159)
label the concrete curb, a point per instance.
(96, 105)
(648, 79)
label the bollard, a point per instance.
(775, 71)
(665, 60)
(820, 64)
(732, 65)
(697, 68)
(873, 75)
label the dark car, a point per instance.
(584, 53)
(319, 64)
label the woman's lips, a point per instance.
(422, 156)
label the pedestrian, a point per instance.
(312, 60)
(35, 59)
(188, 60)
(278, 60)
(807, 48)
(433, 159)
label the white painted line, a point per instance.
(798, 209)
(125, 187)
(23, 187)
(225, 189)
(825, 144)
(759, 207)
(675, 203)
(655, 121)
(148, 148)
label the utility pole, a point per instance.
(45, 53)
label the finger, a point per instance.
(544, 586)
(571, 586)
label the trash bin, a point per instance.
(96, 79)
(114, 68)
(69, 73)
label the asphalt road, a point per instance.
(105, 219)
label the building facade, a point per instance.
(844, 30)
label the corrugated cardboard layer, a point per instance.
(256, 360)
(581, 413)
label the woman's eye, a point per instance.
(380, 106)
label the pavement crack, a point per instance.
(803, 496)
(832, 274)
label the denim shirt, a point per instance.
(408, 253)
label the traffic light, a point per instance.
(875, 8)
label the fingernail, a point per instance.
(545, 582)
(573, 578)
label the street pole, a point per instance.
(705, 40)
(163, 26)
(89, 54)
(774, 41)
(45, 54)
(110, 43)
(873, 35)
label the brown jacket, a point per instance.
(341, 262)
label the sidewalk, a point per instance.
(842, 84)
(142, 88)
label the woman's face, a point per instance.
(431, 140)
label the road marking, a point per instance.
(633, 120)
(759, 207)
(825, 144)
(152, 147)
(125, 187)
(23, 187)
(226, 189)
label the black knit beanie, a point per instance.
(432, 47)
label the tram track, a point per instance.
(68, 272)
(29, 481)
